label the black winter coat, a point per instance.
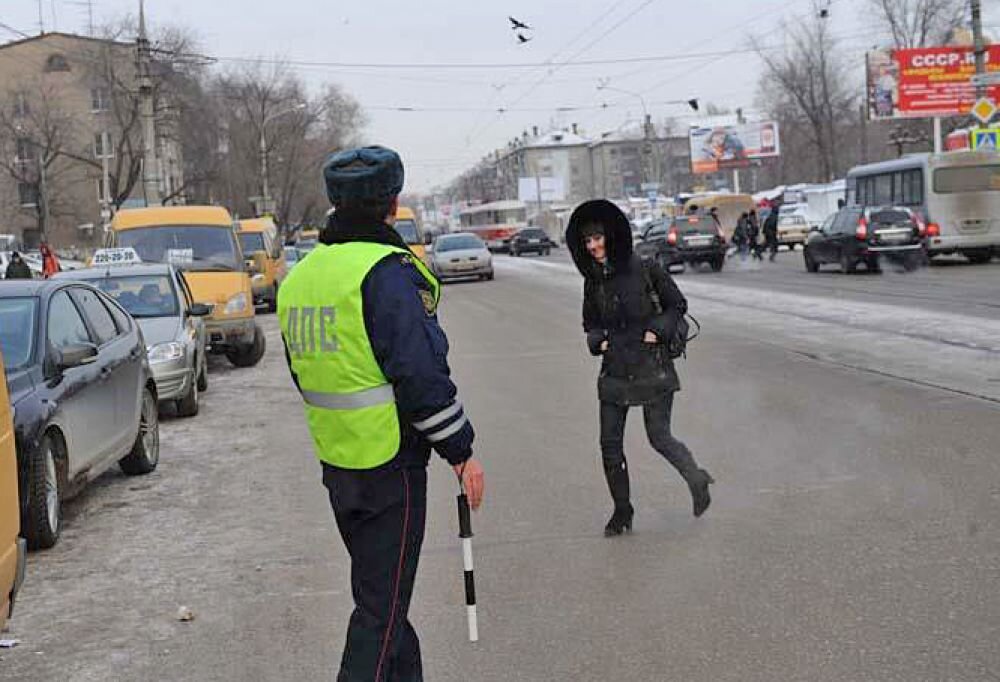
(18, 270)
(618, 308)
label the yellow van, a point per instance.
(200, 240)
(13, 550)
(409, 229)
(260, 236)
(729, 207)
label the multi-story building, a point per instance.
(71, 138)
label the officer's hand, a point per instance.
(604, 346)
(471, 474)
(650, 337)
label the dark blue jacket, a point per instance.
(412, 351)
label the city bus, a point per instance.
(495, 223)
(956, 194)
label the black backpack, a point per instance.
(676, 345)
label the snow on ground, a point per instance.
(951, 351)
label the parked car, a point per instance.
(685, 239)
(530, 240)
(857, 235)
(13, 548)
(793, 230)
(158, 297)
(292, 257)
(83, 393)
(459, 255)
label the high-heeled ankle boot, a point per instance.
(620, 522)
(698, 482)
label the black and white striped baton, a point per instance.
(465, 532)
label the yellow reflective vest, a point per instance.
(350, 405)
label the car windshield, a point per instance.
(692, 224)
(251, 242)
(532, 234)
(460, 243)
(197, 247)
(17, 330)
(407, 229)
(142, 296)
(891, 217)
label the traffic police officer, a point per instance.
(358, 318)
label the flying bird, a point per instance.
(515, 24)
(523, 39)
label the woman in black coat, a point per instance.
(630, 310)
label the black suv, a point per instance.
(685, 239)
(856, 235)
(530, 240)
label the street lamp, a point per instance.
(265, 186)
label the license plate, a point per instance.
(534, 241)
(895, 237)
(698, 241)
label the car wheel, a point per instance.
(718, 264)
(188, 406)
(911, 262)
(145, 453)
(848, 264)
(490, 276)
(203, 376)
(249, 355)
(872, 264)
(513, 252)
(979, 257)
(42, 524)
(811, 265)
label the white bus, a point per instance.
(496, 222)
(957, 195)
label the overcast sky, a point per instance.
(437, 145)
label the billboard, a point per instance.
(925, 81)
(716, 148)
(552, 189)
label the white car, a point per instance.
(461, 255)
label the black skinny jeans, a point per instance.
(657, 418)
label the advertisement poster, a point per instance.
(723, 147)
(925, 82)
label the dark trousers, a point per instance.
(771, 243)
(657, 418)
(380, 514)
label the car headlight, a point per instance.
(236, 304)
(165, 352)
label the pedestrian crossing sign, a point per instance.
(987, 139)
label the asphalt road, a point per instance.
(854, 536)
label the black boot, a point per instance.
(620, 522)
(616, 474)
(698, 482)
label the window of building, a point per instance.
(55, 63)
(21, 106)
(102, 146)
(26, 151)
(27, 193)
(100, 100)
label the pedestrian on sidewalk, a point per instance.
(753, 234)
(17, 268)
(771, 232)
(50, 262)
(629, 329)
(360, 327)
(741, 236)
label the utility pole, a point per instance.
(106, 181)
(150, 176)
(979, 43)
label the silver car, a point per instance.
(159, 299)
(461, 255)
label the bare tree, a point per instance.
(919, 23)
(36, 151)
(808, 87)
